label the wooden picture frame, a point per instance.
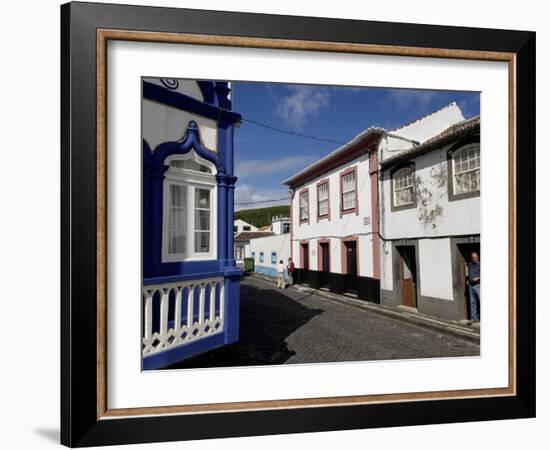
(85, 417)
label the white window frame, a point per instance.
(396, 189)
(321, 201)
(454, 156)
(305, 207)
(352, 189)
(192, 180)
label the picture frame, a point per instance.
(86, 419)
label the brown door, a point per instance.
(324, 269)
(305, 259)
(408, 275)
(351, 276)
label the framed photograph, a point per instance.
(276, 224)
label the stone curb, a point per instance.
(421, 320)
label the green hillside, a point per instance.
(262, 216)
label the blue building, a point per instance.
(190, 280)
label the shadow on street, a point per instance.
(268, 317)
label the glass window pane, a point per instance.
(177, 195)
(202, 198)
(176, 242)
(202, 220)
(176, 219)
(202, 241)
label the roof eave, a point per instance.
(310, 171)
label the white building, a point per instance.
(268, 251)
(377, 208)
(430, 218)
(242, 244)
(334, 220)
(240, 225)
(280, 225)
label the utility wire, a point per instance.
(262, 201)
(293, 133)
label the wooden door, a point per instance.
(408, 276)
(351, 276)
(305, 259)
(324, 269)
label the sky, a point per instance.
(264, 157)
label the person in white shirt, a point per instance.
(281, 275)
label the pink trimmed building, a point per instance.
(342, 227)
(334, 220)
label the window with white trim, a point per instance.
(304, 206)
(322, 200)
(466, 165)
(403, 187)
(202, 220)
(189, 209)
(349, 191)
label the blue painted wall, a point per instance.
(269, 271)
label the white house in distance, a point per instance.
(280, 225)
(360, 211)
(240, 225)
(242, 244)
(430, 219)
(269, 250)
(243, 232)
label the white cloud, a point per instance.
(256, 167)
(301, 104)
(403, 99)
(248, 196)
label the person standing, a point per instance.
(290, 270)
(281, 275)
(474, 286)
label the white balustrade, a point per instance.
(171, 331)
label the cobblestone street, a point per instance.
(289, 326)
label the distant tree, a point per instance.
(260, 217)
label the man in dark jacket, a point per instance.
(290, 270)
(474, 286)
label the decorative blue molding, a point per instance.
(186, 103)
(208, 92)
(190, 141)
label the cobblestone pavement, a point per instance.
(289, 326)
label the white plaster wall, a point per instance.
(279, 244)
(163, 123)
(434, 259)
(458, 217)
(386, 266)
(366, 256)
(420, 130)
(337, 227)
